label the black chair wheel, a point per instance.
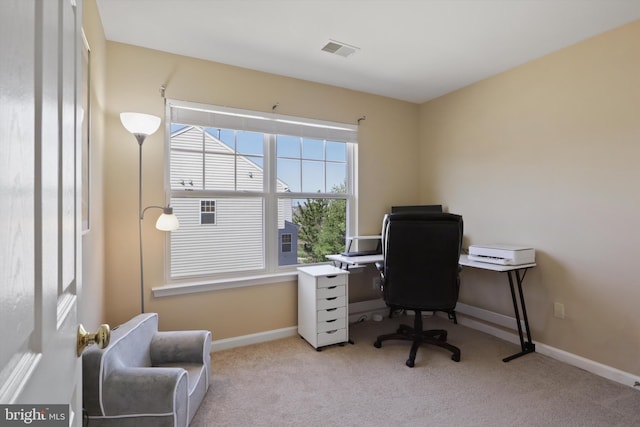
(410, 363)
(442, 337)
(455, 357)
(377, 344)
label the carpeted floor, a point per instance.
(287, 383)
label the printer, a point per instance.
(502, 254)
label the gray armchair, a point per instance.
(145, 377)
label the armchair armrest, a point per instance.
(180, 346)
(130, 391)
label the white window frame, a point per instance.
(214, 213)
(272, 270)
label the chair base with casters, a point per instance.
(418, 336)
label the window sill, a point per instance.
(215, 285)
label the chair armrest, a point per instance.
(130, 391)
(180, 346)
(380, 266)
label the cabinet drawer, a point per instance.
(332, 337)
(332, 313)
(330, 325)
(333, 291)
(328, 281)
(323, 304)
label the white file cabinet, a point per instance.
(323, 314)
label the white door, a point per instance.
(39, 207)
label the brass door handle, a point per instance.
(85, 339)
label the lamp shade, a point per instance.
(139, 123)
(167, 222)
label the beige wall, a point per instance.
(92, 306)
(547, 155)
(388, 174)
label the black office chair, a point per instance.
(420, 272)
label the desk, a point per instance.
(526, 346)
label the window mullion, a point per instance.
(204, 160)
(271, 203)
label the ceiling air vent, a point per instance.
(339, 48)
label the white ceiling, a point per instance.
(413, 50)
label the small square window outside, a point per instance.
(207, 212)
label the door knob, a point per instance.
(85, 339)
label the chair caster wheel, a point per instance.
(443, 337)
(455, 357)
(410, 363)
(377, 344)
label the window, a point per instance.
(207, 212)
(279, 190)
(285, 243)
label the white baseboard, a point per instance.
(596, 368)
(358, 312)
(364, 310)
(241, 341)
(470, 316)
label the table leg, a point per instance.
(528, 346)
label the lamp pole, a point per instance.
(140, 217)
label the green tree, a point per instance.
(309, 217)
(322, 227)
(332, 232)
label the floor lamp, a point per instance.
(141, 126)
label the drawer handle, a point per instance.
(332, 298)
(329, 321)
(332, 287)
(331, 277)
(332, 332)
(331, 309)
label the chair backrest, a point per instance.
(421, 253)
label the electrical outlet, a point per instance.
(558, 310)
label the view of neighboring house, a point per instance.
(221, 232)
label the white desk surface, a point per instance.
(465, 261)
(353, 260)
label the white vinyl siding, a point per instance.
(236, 243)
(285, 213)
(199, 161)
